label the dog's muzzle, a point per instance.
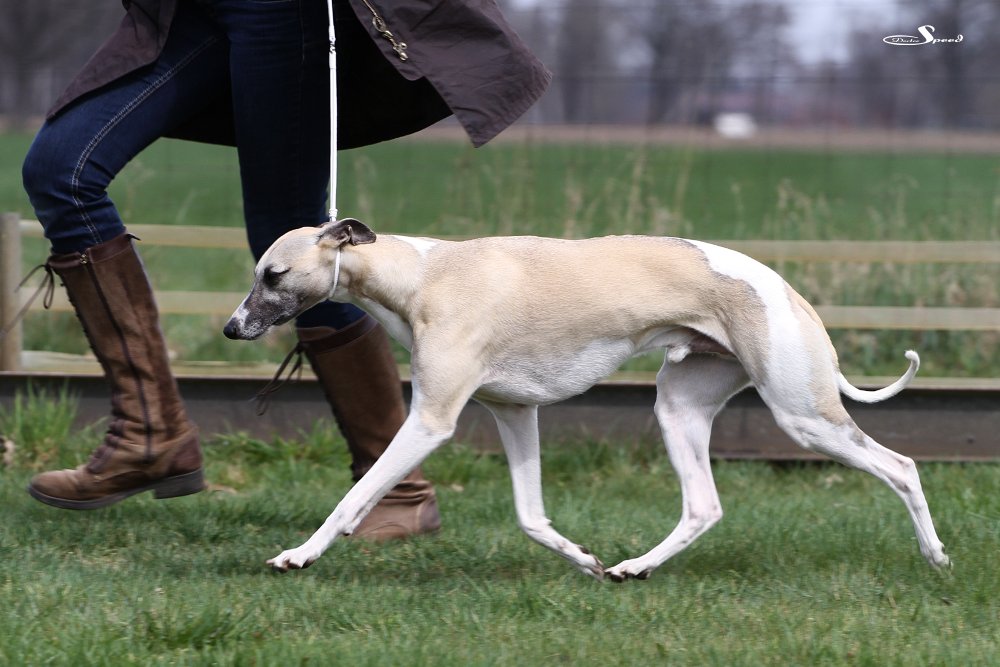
(244, 325)
(232, 330)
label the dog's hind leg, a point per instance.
(836, 435)
(689, 395)
(518, 426)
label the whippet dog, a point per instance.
(518, 322)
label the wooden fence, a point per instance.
(14, 358)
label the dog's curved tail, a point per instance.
(849, 390)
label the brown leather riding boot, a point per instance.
(150, 444)
(359, 377)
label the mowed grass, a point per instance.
(430, 187)
(812, 565)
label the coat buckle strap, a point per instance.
(383, 29)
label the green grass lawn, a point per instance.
(577, 190)
(812, 565)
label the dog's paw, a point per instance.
(629, 569)
(588, 563)
(936, 556)
(292, 559)
(941, 562)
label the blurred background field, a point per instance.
(597, 184)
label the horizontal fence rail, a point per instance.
(834, 317)
(181, 302)
(894, 252)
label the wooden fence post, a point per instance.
(10, 298)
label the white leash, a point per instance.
(333, 134)
(333, 119)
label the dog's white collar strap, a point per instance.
(336, 272)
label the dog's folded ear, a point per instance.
(346, 230)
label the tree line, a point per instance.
(651, 62)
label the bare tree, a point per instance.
(953, 68)
(949, 84)
(536, 23)
(760, 54)
(695, 47)
(42, 43)
(688, 51)
(582, 56)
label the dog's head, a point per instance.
(297, 272)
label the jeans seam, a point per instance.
(115, 120)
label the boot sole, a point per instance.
(168, 487)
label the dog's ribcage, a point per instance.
(563, 315)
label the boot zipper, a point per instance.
(383, 29)
(129, 361)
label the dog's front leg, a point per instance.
(414, 442)
(518, 426)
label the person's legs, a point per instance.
(150, 444)
(280, 81)
(75, 155)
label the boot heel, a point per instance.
(181, 485)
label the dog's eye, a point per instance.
(272, 275)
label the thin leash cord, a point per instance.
(333, 134)
(333, 118)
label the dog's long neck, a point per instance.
(384, 274)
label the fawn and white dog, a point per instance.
(518, 322)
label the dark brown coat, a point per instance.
(461, 57)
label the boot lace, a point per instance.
(48, 286)
(263, 397)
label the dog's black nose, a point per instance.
(231, 331)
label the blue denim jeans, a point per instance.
(273, 56)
